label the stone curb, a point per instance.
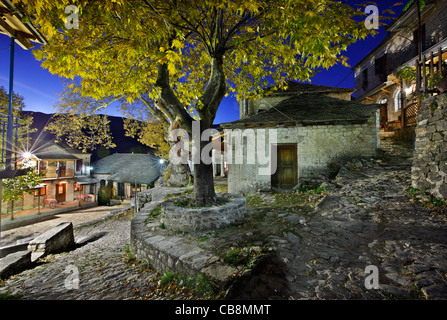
(172, 253)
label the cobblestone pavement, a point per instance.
(367, 218)
(100, 261)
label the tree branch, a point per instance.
(169, 97)
(214, 91)
(160, 111)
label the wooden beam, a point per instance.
(424, 74)
(418, 76)
(431, 64)
(21, 41)
(440, 60)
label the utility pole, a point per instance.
(9, 129)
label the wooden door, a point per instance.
(61, 190)
(285, 176)
(121, 189)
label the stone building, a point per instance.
(125, 170)
(306, 134)
(376, 75)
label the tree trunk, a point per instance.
(179, 175)
(203, 192)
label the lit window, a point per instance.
(41, 191)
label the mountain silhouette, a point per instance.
(124, 144)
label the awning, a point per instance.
(39, 186)
(11, 24)
(86, 180)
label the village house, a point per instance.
(377, 77)
(127, 172)
(317, 129)
(65, 177)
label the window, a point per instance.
(41, 191)
(43, 166)
(365, 79)
(380, 67)
(79, 165)
(77, 187)
(398, 101)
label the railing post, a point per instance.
(440, 60)
(432, 70)
(418, 76)
(424, 75)
(403, 99)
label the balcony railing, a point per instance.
(409, 52)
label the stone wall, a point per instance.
(321, 150)
(429, 171)
(201, 219)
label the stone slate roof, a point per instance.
(51, 151)
(309, 109)
(301, 88)
(129, 167)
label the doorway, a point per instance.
(383, 117)
(286, 176)
(121, 189)
(61, 192)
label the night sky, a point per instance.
(40, 88)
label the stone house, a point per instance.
(376, 75)
(66, 177)
(308, 131)
(125, 170)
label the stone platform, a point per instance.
(167, 252)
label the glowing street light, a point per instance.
(27, 155)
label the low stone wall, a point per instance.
(14, 263)
(57, 239)
(185, 219)
(173, 253)
(429, 170)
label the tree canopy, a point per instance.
(178, 59)
(173, 51)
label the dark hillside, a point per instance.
(123, 144)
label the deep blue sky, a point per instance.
(40, 88)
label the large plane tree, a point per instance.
(182, 57)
